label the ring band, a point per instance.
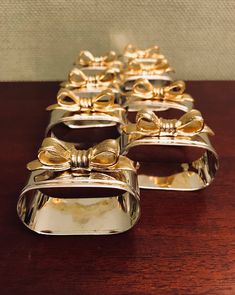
(74, 191)
(161, 98)
(187, 132)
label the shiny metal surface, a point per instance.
(87, 61)
(190, 176)
(77, 111)
(80, 214)
(93, 80)
(88, 192)
(90, 188)
(145, 63)
(144, 95)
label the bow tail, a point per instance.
(37, 165)
(70, 108)
(52, 107)
(125, 163)
(208, 130)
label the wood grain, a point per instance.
(183, 244)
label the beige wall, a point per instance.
(40, 39)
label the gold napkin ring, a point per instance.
(79, 192)
(145, 95)
(189, 131)
(74, 111)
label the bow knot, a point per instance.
(69, 101)
(133, 52)
(87, 59)
(149, 124)
(59, 156)
(143, 90)
(80, 158)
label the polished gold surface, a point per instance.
(87, 60)
(141, 67)
(143, 90)
(74, 191)
(189, 131)
(145, 95)
(145, 63)
(132, 52)
(68, 100)
(149, 124)
(105, 79)
(60, 156)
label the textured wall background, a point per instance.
(40, 39)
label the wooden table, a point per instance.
(184, 243)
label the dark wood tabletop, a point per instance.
(184, 242)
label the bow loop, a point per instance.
(110, 57)
(152, 52)
(86, 58)
(175, 88)
(163, 64)
(54, 152)
(143, 88)
(104, 99)
(147, 121)
(101, 155)
(77, 78)
(190, 123)
(66, 99)
(109, 76)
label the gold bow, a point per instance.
(78, 79)
(144, 90)
(87, 59)
(55, 155)
(155, 68)
(133, 52)
(149, 124)
(102, 102)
